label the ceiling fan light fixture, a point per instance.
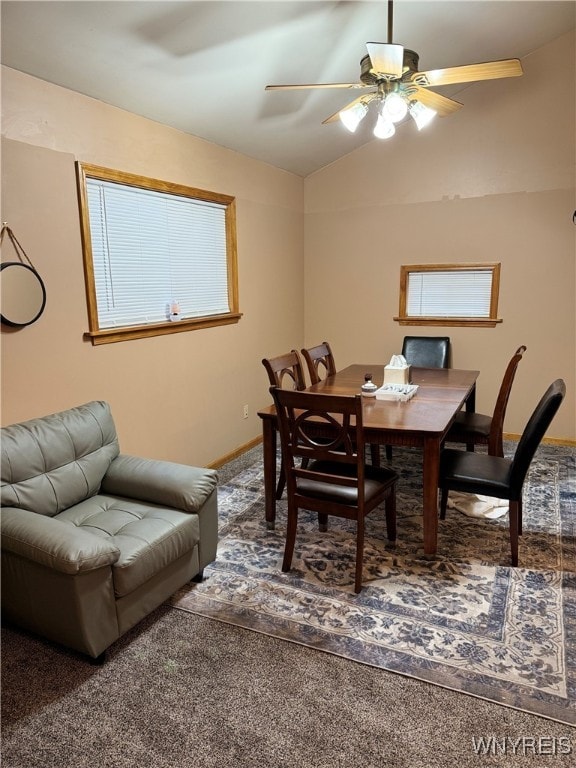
(352, 117)
(394, 107)
(384, 128)
(421, 114)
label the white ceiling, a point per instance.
(201, 67)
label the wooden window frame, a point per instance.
(479, 322)
(99, 335)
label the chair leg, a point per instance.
(388, 453)
(470, 447)
(282, 479)
(322, 522)
(375, 454)
(520, 516)
(390, 509)
(281, 483)
(443, 503)
(514, 514)
(290, 538)
(359, 554)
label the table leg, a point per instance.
(471, 400)
(269, 453)
(430, 468)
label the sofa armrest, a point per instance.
(161, 482)
(54, 543)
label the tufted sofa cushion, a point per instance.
(148, 537)
(54, 462)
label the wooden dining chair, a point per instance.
(320, 362)
(285, 371)
(327, 432)
(502, 478)
(427, 351)
(479, 429)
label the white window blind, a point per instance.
(153, 249)
(462, 293)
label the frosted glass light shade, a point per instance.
(395, 107)
(352, 116)
(421, 115)
(384, 128)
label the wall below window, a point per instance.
(179, 397)
(493, 182)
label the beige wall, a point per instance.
(178, 397)
(493, 182)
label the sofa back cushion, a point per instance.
(51, 463)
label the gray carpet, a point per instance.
(182, 690)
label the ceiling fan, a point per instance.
(389, 77)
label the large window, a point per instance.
(158, 257)
(449, 294)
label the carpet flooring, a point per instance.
(465, 620)
(184, 691)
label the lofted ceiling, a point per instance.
(201, 67)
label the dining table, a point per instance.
(420, 422)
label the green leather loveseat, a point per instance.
(94, 540)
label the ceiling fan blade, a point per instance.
(314, 85)
(386, 58)
(469, 73)
(441, 104)
(366, 99)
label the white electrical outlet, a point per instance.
(245, 411)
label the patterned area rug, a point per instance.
(466, 620)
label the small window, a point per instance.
(158, 257)
(449, 294)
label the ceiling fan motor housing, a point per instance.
(410, 66)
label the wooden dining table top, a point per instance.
(441, 393)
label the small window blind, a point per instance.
(464, 293)
(153, 249)
(458, 294)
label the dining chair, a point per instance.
(284, 371)
(327, 431)
(499, 477)
(424, 352)
(320, 362)
(427, 351)
(480, 429)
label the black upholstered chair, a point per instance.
(285, 371)
(499, 477)
(327, 432)
(479, 429)
(427, 351)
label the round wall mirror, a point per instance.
(23, 294)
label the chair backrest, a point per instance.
(427, 351)
(533, 433)
(497, 425)
(320, 362)
(285, 371)
(320, 428)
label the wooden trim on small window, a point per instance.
(478, 322)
